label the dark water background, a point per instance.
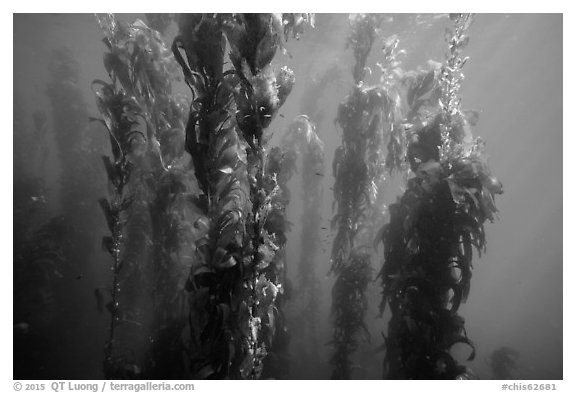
(513, 77)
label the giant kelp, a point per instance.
(363, 33)
(220, 168)
(300, 142)
(313, 171)
(503, 362)
(159, 22)
(37, 255)
(73, 139)
(234, 283)
(76, 152)
(432, 231)
(120, 113)
(145, 122)
(172, 234)
(365, 117)
(281, 166)
(50, 243)
(312, 167)
(54, 261)
(29, 188)
(316, 88)
(196, 210)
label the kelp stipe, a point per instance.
(74, 140)
(298, 142)
(313, 159)
(233, 297)
(254, 39)
(313, 171)
(280, 166)
(220, 169)
(114, 105)
(432, 230)
(349, 306)
(122, 115)
(366, 116)
(145, 121)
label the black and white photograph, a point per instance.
(287, 196)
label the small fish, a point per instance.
(39, 199)
(319, 174)
(226, 170)
(323, 228)
(281, 115)
(78, 277)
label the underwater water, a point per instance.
(513, 78)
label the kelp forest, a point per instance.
(233, 200)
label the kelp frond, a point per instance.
(367, 116)
(145, 122)
(225, 136)
(434, 227)
(363, 33)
